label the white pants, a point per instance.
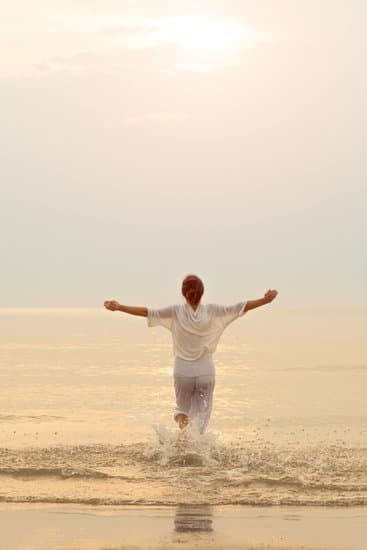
(194, 391)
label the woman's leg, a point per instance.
(202, 401)
(184, 389)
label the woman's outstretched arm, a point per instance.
(268, 297)
(112, 305)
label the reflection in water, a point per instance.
(193, 517)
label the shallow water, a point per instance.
(183, 527)
(86, 404)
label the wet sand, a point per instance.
(31, 527)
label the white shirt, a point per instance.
(195, 331)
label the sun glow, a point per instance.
(187, 32)
(202, 33)
(187, 43)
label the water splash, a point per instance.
(186, 468)
(186, 448)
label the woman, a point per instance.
(196, 329)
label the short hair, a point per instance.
(192, 289)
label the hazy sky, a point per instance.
(141, 141)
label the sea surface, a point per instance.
(86, 404)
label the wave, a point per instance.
(63, 473)
(285, 481)
(191, 469)
(244, 501)
(29, 418)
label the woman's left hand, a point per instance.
(270, 295)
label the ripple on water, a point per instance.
(189, 469)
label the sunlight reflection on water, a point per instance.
(110, 390)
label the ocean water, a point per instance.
(86, 404)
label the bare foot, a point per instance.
(182, 420)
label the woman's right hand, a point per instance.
(112, 305)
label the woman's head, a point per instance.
(192, 289)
